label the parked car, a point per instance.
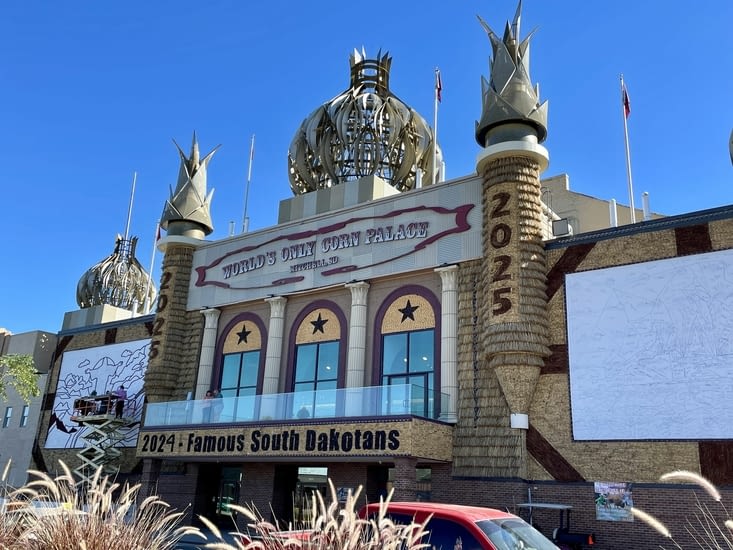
(456, 527)
(451, 527)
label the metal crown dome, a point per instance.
(119, 280)
(364, 131)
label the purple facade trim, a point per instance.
(343, 341)
(377, 339)
(219, 351)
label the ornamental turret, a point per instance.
(511, 107)
(364, 131)
(515, 343)
(187, 211)
(118, 280)
(187, 220)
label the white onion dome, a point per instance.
(119, 280)
(364, 131)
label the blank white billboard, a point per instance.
(651, 349)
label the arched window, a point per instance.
(409, 354)
(242, 367)
(318, 356)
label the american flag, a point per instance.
(438, 85)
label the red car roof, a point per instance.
(455, 511)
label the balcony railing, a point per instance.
(373, 401)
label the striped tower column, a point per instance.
(176, 337)
(513, 312)
(171, 345)
(515, 342)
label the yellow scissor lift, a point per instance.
(102, 436)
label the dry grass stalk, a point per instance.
(333, 527)
(64, 518)
(651, 521)
(691, 477)
(11, 529)
(704, 528)
(5, 471)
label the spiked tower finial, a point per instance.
(187, 212)
(511, 108)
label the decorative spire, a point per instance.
(509, 100)
(119, 280)
(364, 131)
(370, 73)
(187, 212)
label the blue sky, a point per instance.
(92, 92)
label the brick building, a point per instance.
(433, 338)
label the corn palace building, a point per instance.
(396, 331)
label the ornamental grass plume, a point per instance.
(651, 521)
(6, 470)
(704, 528)
(686, 476)
(333, 527)
(52, 514)
(11, 528)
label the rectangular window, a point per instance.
(316, 374)
(239, 373)
(8, 416)
(408, 358)
(239, 377)
(306, 363)
(24, 416)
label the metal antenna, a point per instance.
(129, 208)
(147, 306)
(245, 219)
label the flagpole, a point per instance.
(129, 207)
(245, 219)
(146, 305)
(438, 85)
(625, 109)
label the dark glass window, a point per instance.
(24, 416)
(448, 535)
(8, 416)
(443, 534)
(239, 376)
(316, 379)
(408, 358)
(240, 373)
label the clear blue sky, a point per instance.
(91, 92)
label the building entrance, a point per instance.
(218, 488)
(295, 489)
(311, 480)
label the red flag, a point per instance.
(626, 101)
(438, 85)
(157, 233)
